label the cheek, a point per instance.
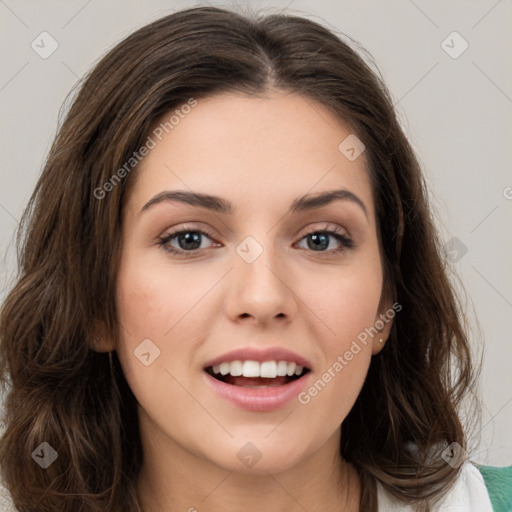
(348, 306)
(149, 312)
(160, 314)
(152, 301)
(139, 308)
(346, 303)
(145, 313)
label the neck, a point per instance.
(173, 479)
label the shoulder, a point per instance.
(468, 493)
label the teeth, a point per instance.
(224, 368)
(267, 369)
(235, 368)
(251, 369)
(282, 368)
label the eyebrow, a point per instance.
(220, 205)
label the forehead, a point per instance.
(253, 150)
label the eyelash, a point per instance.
(346, 243)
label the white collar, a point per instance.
(468, 493)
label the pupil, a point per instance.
(185, 239)
(321, 241)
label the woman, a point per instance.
(232, 295)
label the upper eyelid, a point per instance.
(185, 229)
(327, 226)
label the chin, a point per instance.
(259, 455)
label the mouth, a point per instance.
(256, 379)
(257, 375)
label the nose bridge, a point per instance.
(259, 282)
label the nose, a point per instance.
(261, 291)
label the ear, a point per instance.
(383, 322)
(100, 341)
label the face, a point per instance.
(259, 281)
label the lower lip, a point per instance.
(257, 399)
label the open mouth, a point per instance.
(252, 374)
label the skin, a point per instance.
(260, 153)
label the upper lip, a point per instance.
(260, 355)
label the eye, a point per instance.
(188, 242)
(320, 240)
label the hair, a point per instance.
(61, 391)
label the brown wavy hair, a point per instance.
(59, 390)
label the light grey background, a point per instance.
(456, 112)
